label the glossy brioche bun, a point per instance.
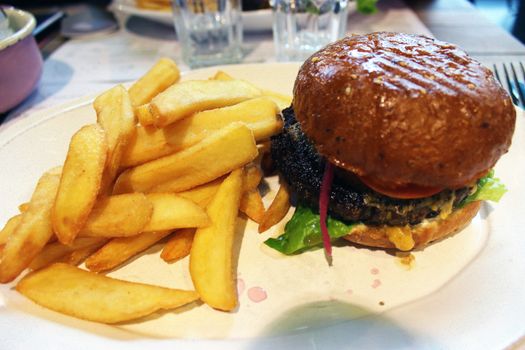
(404, 110)
(422, 234)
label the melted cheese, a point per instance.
(400, 237)
(406, 260)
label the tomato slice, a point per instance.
(409, 191)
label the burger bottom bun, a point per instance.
(422, 234)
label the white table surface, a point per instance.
(90, 65)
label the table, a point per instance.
(461, 23)
(88, 66)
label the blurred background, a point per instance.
(507, 14)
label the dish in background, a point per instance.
(253, 21)
(437, 303)
(20, 60)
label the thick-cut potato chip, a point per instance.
(178, 246)
(251, 201)
(252, 177)
(211, 252)
(119, 250)
(252, 205)
(34, 229)
(221, 75)
(182, 100)
(144, 115)
(264, 159)
(259, 114)
(79, 293)
(115, 115)
(281, 100)
(23, 207)
(171, 211)
(161, 76)
(54, 251)
(277, 210)
(203, 194)
(80, 182)
(216, 155)
(9, 228)
(119, 216)
(78, 256)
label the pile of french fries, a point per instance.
(164, 159)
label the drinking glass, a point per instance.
(301, 27)
(209, 31)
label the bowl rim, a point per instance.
(26, 30)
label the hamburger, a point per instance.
(403, 130)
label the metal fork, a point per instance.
(512, 81)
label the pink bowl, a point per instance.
(20, 60)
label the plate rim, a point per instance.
(34, 118)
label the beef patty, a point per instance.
(302, 167)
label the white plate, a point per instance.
(466, 291)
(259, 20)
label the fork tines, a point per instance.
(513, 81)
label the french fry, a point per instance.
(78, 256)
(171, 211)
(162, 75)
(277, 210)
(251, 201)
(203, 194)
(79, 293)
(281, 100)
(211, 252)
(54, 251)
(252, 177)
(9, 228)
(33, 231)
(150, 143)
(216, 155)
(115, 115)
(144, 115)
(119, 250)
(264, 159)
(221, 75)
(252, 205)
(259, 114)
(184, 99)
(80, 182)
(178, 246)
(119, 216)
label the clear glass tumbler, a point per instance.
(209, 31)
(301, 27)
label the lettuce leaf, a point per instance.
(303, 232)
(489, 188)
